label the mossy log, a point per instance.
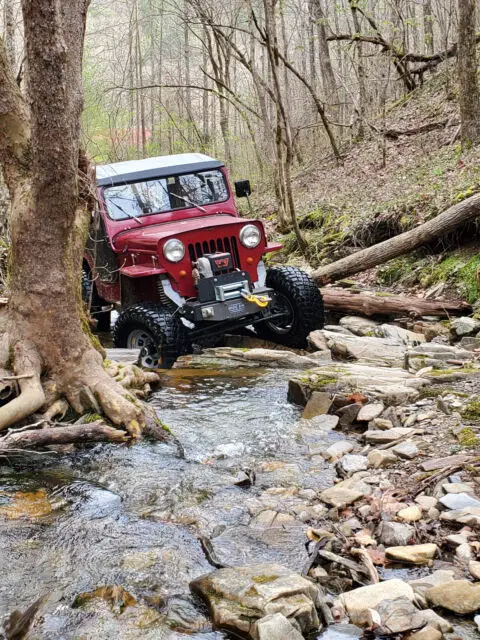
(370, 304)
(446, 222)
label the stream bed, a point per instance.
(111, 536)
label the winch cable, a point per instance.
(260, 301)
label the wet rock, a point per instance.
(338, 449)
(386, 437)
(370, 411)
(407, 450)
(459, 596)
(412, 554)
(465, 326)
(358, 326)
(398, 616)
(318, 404)
(410, 514)
(427, 633)
(240, 596)
(340, 497)
(469, 516)
(352, 464)
(358, 601)
(275, 627)
(474, 568)
(379, 459)
(392, 534)
(456, 501)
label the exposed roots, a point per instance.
(86, 386)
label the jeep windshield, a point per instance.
(159, 195)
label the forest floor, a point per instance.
(365, 201)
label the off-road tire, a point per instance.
(166, 330)
(95, 303)
(305, 300)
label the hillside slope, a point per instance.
(366, 201)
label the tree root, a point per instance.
(32, 397)
(86, 386)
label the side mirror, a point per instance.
(243, 188)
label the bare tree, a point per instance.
(469, 98)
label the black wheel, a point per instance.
(95, 303)
(297, 297)
(159, 335)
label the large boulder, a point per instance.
(240, 596)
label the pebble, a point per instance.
(477, 621)
(382, 424)
(353, 463)
(464, 552)
(385, 437)
(379, 459)
(474, 568)
(407, 450)
(456, 501)
(427, 633)
(426, 502)
(340, 497)
(339, 449)
(392, 534)
(458, 487)
(410, 514)
(370, 411)
(459, 596)
(413, 554)
(457, 539)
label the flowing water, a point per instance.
(111, 536)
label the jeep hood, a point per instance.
(148, 238)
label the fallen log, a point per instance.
(370, 304)
(444, 223)
(92, 432)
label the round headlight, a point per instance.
(174, 250)
(250, 236)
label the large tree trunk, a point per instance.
(467, 71)
(47, 176)
(444, 223)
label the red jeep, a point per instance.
(167, 246)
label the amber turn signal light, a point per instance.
(250, 260)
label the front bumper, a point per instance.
(220, 311)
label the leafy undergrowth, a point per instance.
(362, 203)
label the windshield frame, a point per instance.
(184, 208)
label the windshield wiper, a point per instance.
(129, 215)
(193, 204)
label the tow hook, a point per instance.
(260, 301)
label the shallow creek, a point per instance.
(112, 536)
(136, 516)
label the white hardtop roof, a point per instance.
(149, 165)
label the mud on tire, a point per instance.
(168, 336)
(298, 292)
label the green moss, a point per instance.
(436, 373)
(458, 269)
(91, 417)
(467, 437)
(263, 579)
(472, 411)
